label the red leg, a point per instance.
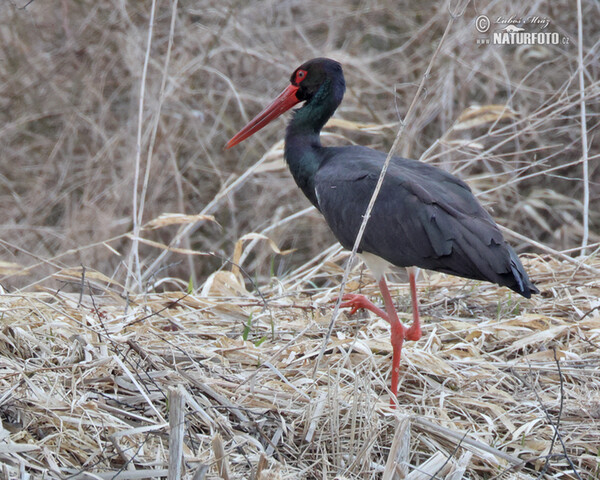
(398, 332)
(414, 332)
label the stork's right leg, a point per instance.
(414, 332)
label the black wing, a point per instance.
(423, 217)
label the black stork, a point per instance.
(423, 217)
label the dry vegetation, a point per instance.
(92, 338)
(499, 387)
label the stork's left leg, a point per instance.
(398, 333)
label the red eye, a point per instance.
(300, 75)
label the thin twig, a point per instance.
(449, 457)
(134, 256)
(584, 144)
(461, 438)
(161, 100)
(82, 287)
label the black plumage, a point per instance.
(423, 217)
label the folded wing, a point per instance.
(423, 217)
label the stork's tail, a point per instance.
(522, 284)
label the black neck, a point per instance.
(303, 151)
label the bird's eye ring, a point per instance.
(300, 75)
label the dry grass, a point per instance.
(499, 387)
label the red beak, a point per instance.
(286, 100)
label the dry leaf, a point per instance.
(223, 284)
(166, 219)
(76, 273)
(162, 246)
(9, 268)
(372, 128)
(480, 115)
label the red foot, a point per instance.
(360, 302)
(355, 302)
